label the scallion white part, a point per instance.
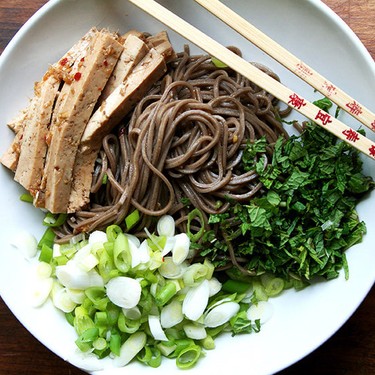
(40, 291)
(156, 328)
(124, 291)
(133, 313)
(181, 248)
(195, 331)
(263, 311)
(170, 270)
(26, 243)
(76, 295)
(171, 314)
(56, 250)
(97, 237)
(215, 286)
(77, 238)
(43, 270)
(130, 348)
(133, 239)
(136, 255)
(61, 299)
(169, 244)
(143, 252)
(166, 226)
(196, 301)
(85, 259)
(74, 277)
(221, 314)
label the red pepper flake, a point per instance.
(77, 76)
(63, 61)
(105, 63)
(83, 59)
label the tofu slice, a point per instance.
(134, 51)
(11, 156)
(122, 100)
(61, 71)
(18, 122)
(73, 110)
(34, 142)
(161, 43)
(124, 97)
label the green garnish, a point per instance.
(306, 219)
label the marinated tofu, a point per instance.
(72, 112)
(34, 142)
(79, 101)
(118, 104)
(59, 71)
(134, 51)
(161, 43)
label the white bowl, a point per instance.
(302, 320)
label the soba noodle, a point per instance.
(181, 149)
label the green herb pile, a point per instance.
(306, 219)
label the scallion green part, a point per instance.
(47, 239)
(195, 215)
(46, 253)
(188, 356)
(27, 197)
(52, 220)
(132, 219)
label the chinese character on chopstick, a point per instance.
(354, 108)
(324, 117)
(351, 135)
(372, 150)
(329, 88)
(296, 101)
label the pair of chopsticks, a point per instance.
(261, 79)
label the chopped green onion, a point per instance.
(127, 325)
(121, 253)
(130, 348)
(235, 286)
(52, 220)
(115, 343)
(27, 197)
(100, 343)
(85, 340)
(188, 357)
(166, 226)
(273, 286)
(193, 215)
(218, 63)
(165, 293)
(47, 239)
(45, 254)
(132, 219)
(112, 232)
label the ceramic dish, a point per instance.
(302, 320)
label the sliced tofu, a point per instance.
(161, 43)
(34, 143)
(11, 156)
(61, 71)
(18, 122)
(111, 112)
(73, 110)
(134, 51)
(124, 97)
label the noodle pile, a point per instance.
(181, 149)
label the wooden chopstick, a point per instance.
(254, 74)
(291, 62)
